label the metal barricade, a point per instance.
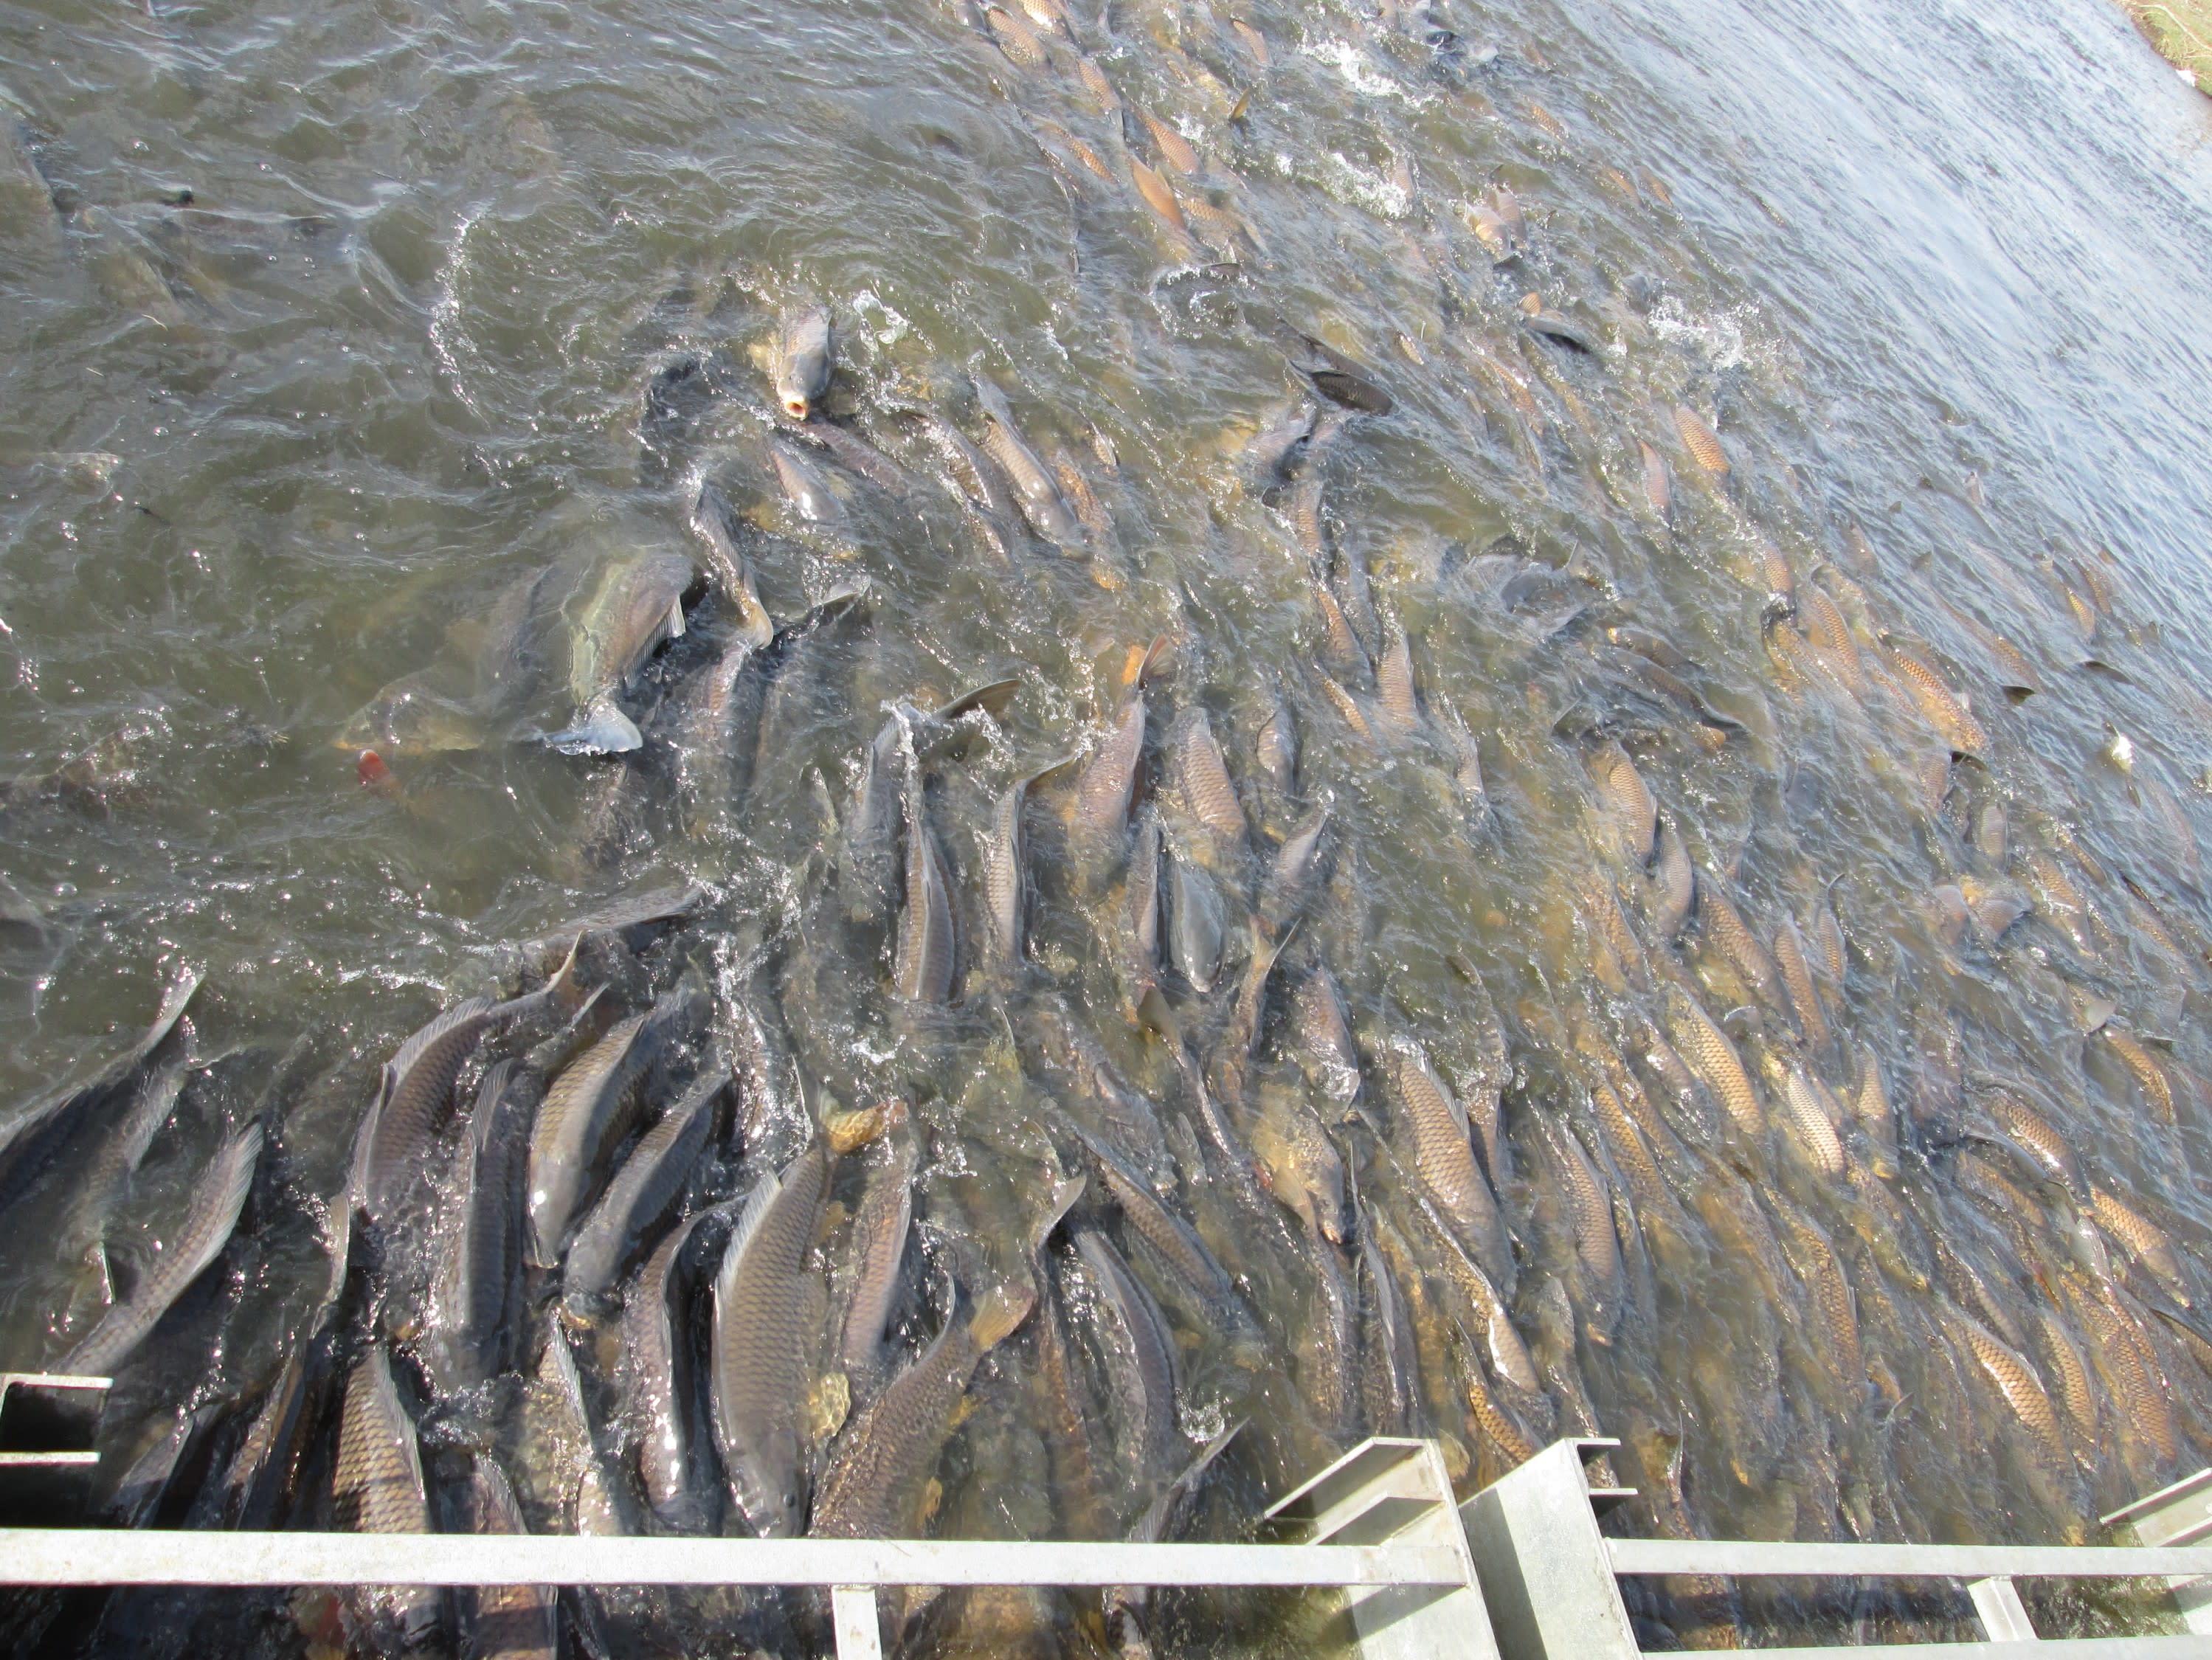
(1550, 1579)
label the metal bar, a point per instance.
(2003, 1615)
(2177, 1515)
(853, 1612)
(1749, 1558)
(1549, 1586)
(70, 1556)
(2054, 1648)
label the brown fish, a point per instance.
(877, 1484)
(1701, 441)
(1658, 483)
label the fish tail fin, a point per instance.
(601, 729)
(1000, 1313)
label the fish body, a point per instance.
(1436, 1126)
(1712, 1057)
(656, 1365)
(1037, 491)
(1304, 1170)
(619, 618)
(476, 1282)
(927, 953)
(1326, 1050)
(507, 1623)
(418, 1090)
(716, 524)
(880, 1236)
(1142, 908)
(1203, 787)
(1298, 869)
(1631, 812)
(377, 1481)
(1197, 929)
(642, 1191)
(1004, 856)
(805, 485)
(1701, 441)
(765, 1299)
(218, 1198)
(584, 1112)
(876, 1487)
(1141, 1362)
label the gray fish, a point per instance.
(1596, 1273)
(676, 396)
(868, 843)
(1126, 1605)
(652, 1360)
(1112, 1107)
(507, 1623)
(1140, 1361)
(144, 1494)
(258, 1481)
(876, 1487)
(1038, 493)
(417, 1092)
(218, 1198)
(1108, 778)
(1436, 1125)
(151, 1097)
(1141, 911)
(633, 603)
(1388, 1363)
(1200, 780)
(1004, 858)
(1173, 1240)
(879, 1235)
(977, 479)
(29, 1139)
(855, 455)
(715, 714)
(765, 1320)
(642, 1191)
(1196, 929)
(927, 951)
(476, 1282)
(1673, 882)
(802, 359)
(378, 1484)
(1300, 864)
(1326, 1051)
(1277, 748)
(596, 1503)
(1273, 455)
(805, 486)
(716, 524)
(1305, 1172)
(586, 1112)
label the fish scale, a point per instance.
(763, 1326)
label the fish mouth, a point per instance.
(796, 408)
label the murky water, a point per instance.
(370, 330)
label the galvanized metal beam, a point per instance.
(2177, 1515)
(56, 1556)
(1547, 1579)
(1396, 1492)
(1756, 1559)
(853, 1613)
(2003, 1615)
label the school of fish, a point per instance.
(1027, 1115)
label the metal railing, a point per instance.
(1520, 1572)
(1551, 1578)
